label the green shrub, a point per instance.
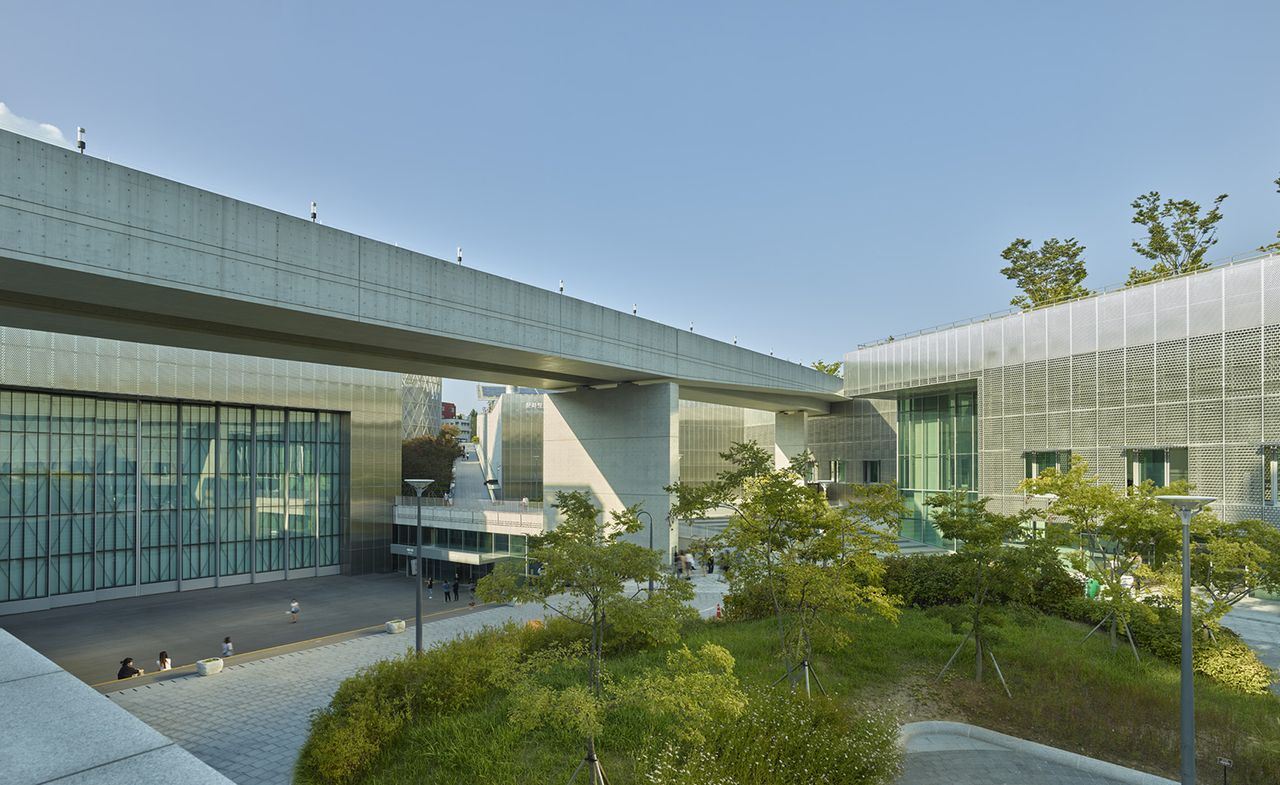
(783, 738)
(751, 603)
(1233, 664)
(1031, 575)
(924, 580)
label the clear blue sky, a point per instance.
(803, 176)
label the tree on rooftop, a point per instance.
(1178, 236)
(832, 369)
(1053, 272)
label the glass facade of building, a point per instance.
(709, 429)
(420, 402)
(937, 451)
(521, 436)
(102, 493)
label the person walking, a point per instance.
(457, 588)
(128, 670)
(430, 583)
(228, 648)
(294, 610)
(163, 662)
(448, 591)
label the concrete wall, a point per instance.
(621, 444)
(95, 248)
(788, 437)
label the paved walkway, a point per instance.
(1258, 623)
(88, 641)
(250, 721)
(952, 753)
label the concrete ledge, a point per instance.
(913, 738)
(54, 727)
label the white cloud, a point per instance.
(42, 131)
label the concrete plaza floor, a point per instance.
(88, 641)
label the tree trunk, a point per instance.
(977, 667)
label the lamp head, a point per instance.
(1187, 503)
(419, 485)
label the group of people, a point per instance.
(164, 662)
(686, 565)
(452, 589)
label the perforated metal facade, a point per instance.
(1192, 362)
(420, 401)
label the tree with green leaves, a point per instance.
(1048, 274)
(1123, 538)
(1178, 236)
(1274, 247)
(816, 564)
(430, 457)
(589, 573)
(981, 536)
(831, 369)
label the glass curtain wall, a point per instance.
(937, 451)
(99, 493)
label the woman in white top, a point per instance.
(163, 662)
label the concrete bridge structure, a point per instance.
(96, 249)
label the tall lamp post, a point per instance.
(1186, 507)
(646, 514)
(418, 487)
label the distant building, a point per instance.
(420, 405)
(448, 411)
(463, 425)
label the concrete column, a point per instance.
(788, 437)
(621, 444)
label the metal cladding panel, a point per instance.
(1084, 381)
(1084, 326)
(1205, 419)
(1205, 363)
(1058, 380)
(1140, 425)
(1206, 470)
(1139, 316)
(1111, 321)
(992, 345)
(1139, 373)
(1111, 378)
(1243, 421)
(1271, 359)
(1242, 297)
(1204, 303)
(1271, 418)
(1058, 331)
(1171, 371)
(1084, 429)
(1171, 309)
(1271, 290)
(1171, 423)
(1035, 387)
(1014, 339)
(1033, 335)
(1242, 362)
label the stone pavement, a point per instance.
(250, 721)
(952, 753)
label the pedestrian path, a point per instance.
(250, 721)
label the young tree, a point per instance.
(1177, 235)
(1122, 529)
(588, 573)
(1051, 273)
(1274, 247)
(982, 535)
(815, 563)
(833, 368)
(1231, 560)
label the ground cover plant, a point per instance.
(452, 724)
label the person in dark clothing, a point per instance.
(457, 588)
(127, 669)
(448, 591)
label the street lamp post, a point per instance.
(418, 487)
(646, 514)
(1187, 506)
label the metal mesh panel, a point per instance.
(1034, 387)
(1111, 428)
(1058, 331)
(1171, 309)
(991, 473)
(1013, 390)
(1059, 435)
(1014, 471)
(1271, 418)
(1110, 321)
(1033, 330)
(1084, 326)
(1084, 381)
(1035, 432)
(1140, 425)
(1014, 346)
(1111, 378)
(1206, 422)
(1110, 466)
(1139, 365)
(992, 345)
(1139, 317)
(1271, 358)
(1171, 423)
(1205, 469)
(1059, 384)
(1204, 296)
(992, 434)
(1271, 290)
(1244, 421)
(1241, 296)
(1171, 371)
(1084, 428)
(1013, 433)
(1206, 367)
(992, 393)
(1242, 362)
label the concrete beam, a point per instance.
(621, 445)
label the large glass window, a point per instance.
(937, 451)
(1037, 462)
(870, 472)
(101, 493)
(1160, 466)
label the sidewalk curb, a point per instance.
(1042, 751)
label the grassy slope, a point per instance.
(1081, 698)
